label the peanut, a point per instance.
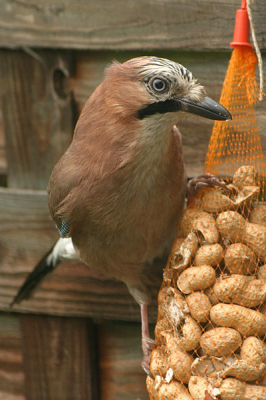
(183, 256)
(235, 228)
(189, 215)
(240, 259)
(216, 201)
(245, 176)
(196, 278)
(158, 364)
(258, 214)
(179, 360)
(162, 327)
(172, 305)
(181, 363)
(165, 391)
(190, 334)
(151, 388)
(245, 321)
(205, 224)
(253, 350)
(215, 368)
(209, 254)
(238, 289)
(262, 272)
(234, 389)
(246, 372)
(199, 306)
(186, 335)
(220, 341)
(211, 295)
(197, 387)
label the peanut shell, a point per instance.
(235, 228)
(190, 334)
(240, 259)
(187, 220)
(232, 389)
(239, 289)
(180, 362)
(199, 306)
(220, 341)
(262, 272)
(245, 176)
(197, 387)
(258, 214)
(158, 364)
(246, 321)
(215, 368)
(205, 224)
(209, 254)
(174, 390)
(196, 278)
(216, 200)
(172, 305)
(253, 350)
(183, 257)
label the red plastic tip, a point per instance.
(241, 34)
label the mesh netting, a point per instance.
(211, 323)
(237, 142)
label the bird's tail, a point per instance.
(45, 265)
(62, 250)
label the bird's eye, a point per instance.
(159, 85)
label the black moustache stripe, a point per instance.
(160, 107)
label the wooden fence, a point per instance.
(78, 338)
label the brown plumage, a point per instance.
(119, 189)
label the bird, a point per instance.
(118, 192)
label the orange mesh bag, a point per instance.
(237, 142)
(211, 326)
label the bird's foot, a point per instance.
(148, 345)
(203, 181)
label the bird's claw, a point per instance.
(148, 345)
(203, 181)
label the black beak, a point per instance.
(207, 108)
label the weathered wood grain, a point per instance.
(208, 67)
(37, 114)
(12, 377)
(120, 356)
(141, 24)
(58, 355)
(26, 233)
(3, 161)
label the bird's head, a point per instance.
(148, 86)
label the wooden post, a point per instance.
(58, 353)
(59, 358)
(37, 113)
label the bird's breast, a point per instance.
(135, 211)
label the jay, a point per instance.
(119, 190)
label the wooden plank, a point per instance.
(37, 113)
(26, 233)
(11, 362)
(3, 161)
(58, 354)
(142, 24)
(208, 67)
(120, 356)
